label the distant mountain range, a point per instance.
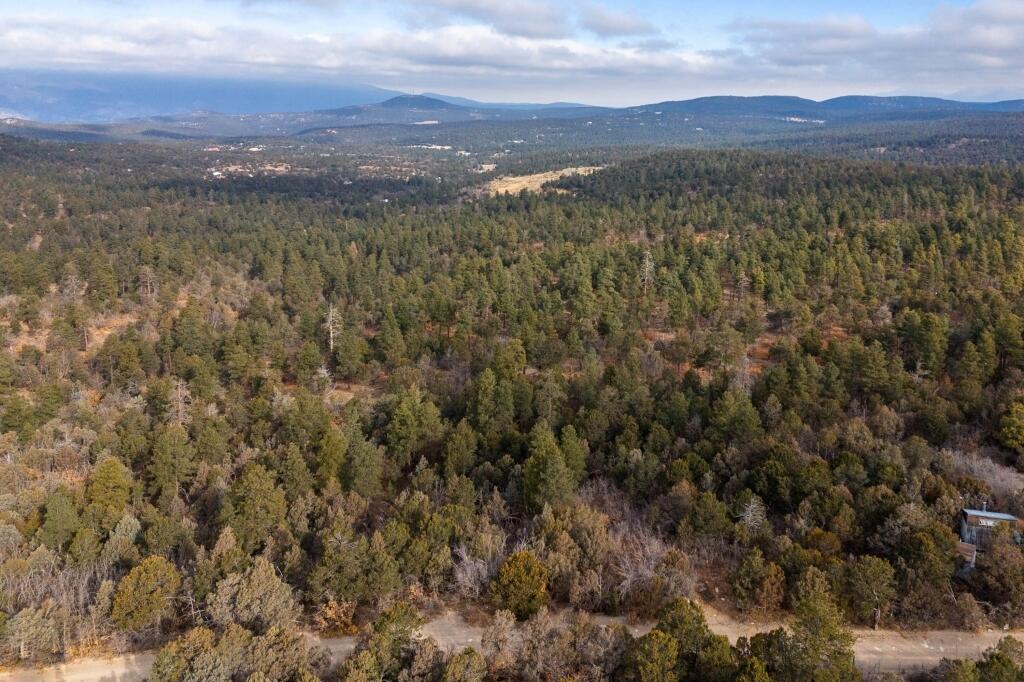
(364, 106)
(104, 98)
(849, 106)
(402, 109)
(465, 102)
(101, 98)
(84, 97)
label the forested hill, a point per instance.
(894, 128)
(871, 190)
(234, 407)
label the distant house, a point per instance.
(976, 526)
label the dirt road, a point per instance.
(881, 651)
(449, 630)
(131, 668)
(876, 651)
(887, 651)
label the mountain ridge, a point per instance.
(727, 114)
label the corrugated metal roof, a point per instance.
(999, 516)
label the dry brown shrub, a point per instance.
(335, 619)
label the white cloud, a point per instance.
(517, 50)
(979, 43)
(528, 18)
(607, 23)
(299, 4)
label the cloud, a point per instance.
(977, 44)
(653, 44)
(527, 18)
(322, 4)
(528, 50)
(807, 42)
(481, 51)
(609, 24)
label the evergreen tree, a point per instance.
(546, 477)
(254, 506)
(144, 596)
(656, 658)
(521, 585)
(257, 599)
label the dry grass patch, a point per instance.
(759, 354)
(713, 236)
(110, 324)
(98, 331)
(514, 184)
(655, 335)
(342, 393)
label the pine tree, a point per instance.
(1011, 428)
(390, 340)
(102, 284)
(62, 520)
(756, 583)
(819, 643)
(330, 455)
(143, 597)
(521, 585)
(656, 658)
(362, 471)
(575, 451)
(254, 506)
(172, 462)
(460, 449)
(108, 492)
(546, 477)
(257, 599)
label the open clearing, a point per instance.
(514, 184)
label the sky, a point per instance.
(610, 52)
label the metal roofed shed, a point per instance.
(985, 514)
(976, 526)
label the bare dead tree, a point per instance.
(647, 270)
(330, 324)
(470, 574)
(182, 400)
(147, 282)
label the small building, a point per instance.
(967, 552)
(976, 526)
